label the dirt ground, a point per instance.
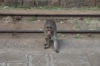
(63, 23)
(26, 49)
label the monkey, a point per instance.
(50, 31)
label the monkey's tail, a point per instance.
(56, 46)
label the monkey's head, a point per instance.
(49, 31)
(49, 27)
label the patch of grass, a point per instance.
(73, 21)
(7, 7)
(11, 7)
(92, 36)
(49, 7)
(76, 8)
(78, 36)
(88, 20)
(90, 28)
(22, 6)
(32, 19)
(67, 34)
(43, 35)
(99, 19)
(1, 6)
(59, 35)
(97, 27)
(93, 8)
(78, 26)
(20, 22)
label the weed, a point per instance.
(49, 7)
(73, 21)
(7, 7)
(20, 22)
(99, 19)
(93, 8)
(43, 35)
(92, 36)
(11, 7)
(88, 20)
(78, 26)
(67, 34)
(97, 27)
(32, 19)
(1, 6)
(78, 36)
(84, 8)
(90, 28)
(22, 6)
(59, 35)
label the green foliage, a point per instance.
(49, 7)
(93, 8)
(67, 34)
(1, 6)
(99, 19)
(78, 36)
(78, 26)
(73, 21)
(32, 19)
(43, 35)
(11, 7)
(22, 6)
(88, 20)
(59, 35)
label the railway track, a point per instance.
(49, 15)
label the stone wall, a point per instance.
(62, 3)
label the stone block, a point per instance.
(69, 60)
(12, 57)
(94, 59)
(2, 64)
(16, 64)
(39, 60)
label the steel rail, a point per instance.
(41, 31)
(69, 15)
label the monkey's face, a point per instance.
(49, 31)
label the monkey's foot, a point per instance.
(45, 47)
(45, 44)
(57, 51)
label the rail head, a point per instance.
(40, 31)
(69, 15)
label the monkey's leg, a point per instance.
(46, 45)
(56, 46)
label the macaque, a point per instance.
(50, 32)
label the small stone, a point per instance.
(61, 22)
(7, 19)
(91, 29)
(5, 7)
(40, 29)
(38, 20)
